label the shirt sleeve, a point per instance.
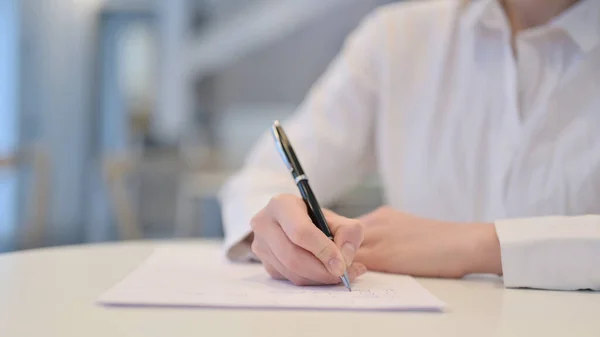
(557, 253)
(332, 135)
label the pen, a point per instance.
(293, 164)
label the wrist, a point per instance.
(483, 250)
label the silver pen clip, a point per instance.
(277, 140)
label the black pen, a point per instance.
(293, 164)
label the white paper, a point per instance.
(193, 277)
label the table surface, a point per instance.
(52, 292)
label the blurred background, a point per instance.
(120, 119)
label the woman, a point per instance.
(482, 120)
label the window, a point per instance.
(9, 70)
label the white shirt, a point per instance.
(430, 96)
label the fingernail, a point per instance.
(348, 251)
(336, 266)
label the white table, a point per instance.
(52, 293)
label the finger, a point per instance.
(272, 239)
(348, 235)
(293, 218)
(296, 259)
(272, 243)
(273, 266)
(279, 271)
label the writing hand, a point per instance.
(291, 247)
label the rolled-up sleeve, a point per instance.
(558, 253)
(332, 134)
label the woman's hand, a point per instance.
(399, 243)
(291, 247)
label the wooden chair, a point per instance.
(32, 233)
(116, 170)
(197, 211)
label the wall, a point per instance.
(57, 107)
(59, 111)
(284, 72)
(270, 83)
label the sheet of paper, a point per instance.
(193, 277)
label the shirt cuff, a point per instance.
(549, 252)
(237, 214)
(238, 246)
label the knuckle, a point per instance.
(256, 221)
(325, 253)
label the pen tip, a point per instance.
(346, 281)
(276, 123)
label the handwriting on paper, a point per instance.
(170, 277)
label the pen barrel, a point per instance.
(314, 210)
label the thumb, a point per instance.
(348, 235)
